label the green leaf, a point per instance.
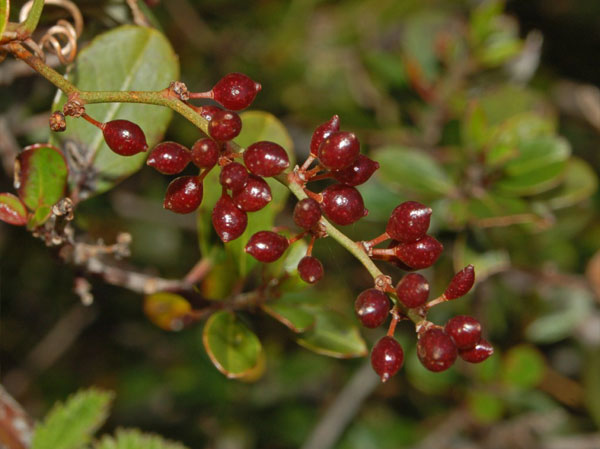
(418, 41)
(12, 210)
(474, 127)
(508, 100)
(523, 367)
(486, 263)
(482, 19)
(41, 178)
(134, 439)
(233, 348)
(484, 406)
(125, 58)
(4, 13)
(580, 182)
(592, 386)
(290, 310)
(412, 170)
(167, 310)
(335, 336)
(72, 424)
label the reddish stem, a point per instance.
(369, 244)
(382, 252)
(96, 123)
(393, 323)
(309, 160)
(320, 177)
(313, 238)
(207, 95)
(315, 196)
(296, 237)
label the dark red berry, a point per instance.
(461, 283)
(322, 132)
(233, 176)
(465, 331)
(372, 307)
(477, 354)
(235, 91)
(208, 112)
(184, 194)
(255, 194)
(387, 357)
(169, 158)
(358, 172)
(124, 137)
(435, 350)
(413, 290)
(343, 204)
(310, 269)
(224, 126)
(409, 222)
(307, 213)
(266, 158)
(228, 220)
(339, 150)
(420, 254)
(205, 153)
(266, 246)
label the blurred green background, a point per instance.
(440, 93)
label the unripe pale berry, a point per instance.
(235, 91)
(228, 220)
(169, 158)
(461, 283)
(266, 246)
(343, 204)
(124, 137)
(436, 350)
(339, 150)
(465, 331)
(310, 269)
(409, 222)
(372, 307)
(413, 290)
(184, 194)
(266, 158)
(387, 357)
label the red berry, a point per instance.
(477, 354)
(358, 172)
(461, 283)
(255, 194)
(233, 176)
(307, 213)
(124, 137)
(322, 132)
(413, 290)
(266, 158)
(420, 254)
(387, 357)
(372, 307)
(224, 126)
(266, 246)
(465, 331)
(205, 153)
(435, 350)
(339, 150)
(409, 222)
(208, 112)
(169, 158)
(184, 194)
(235, 91)
(310, 269)
(343, 204)
(228, 220)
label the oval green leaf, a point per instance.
(290, 310)
(580, 182)
(523, 367)
(4, 13)
(233, 348)
(41, 177)
(126, 58)
(167, 310)
(12, 210)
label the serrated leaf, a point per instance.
(71, 425)
(12, 210)
(523, 366)
(231, 346)
(580, 182)
(41, 178)
(134, 439)
(335, 336)
(125, 58)
(290, 310)
(167, 310)
(412, 170)
(4, 13)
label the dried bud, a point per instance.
(461, 283)
(57, 122)
(180, 89)
(74, 107)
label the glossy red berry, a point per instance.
(184, 194)
(372, 307)
(124, 137)
(358, 172)
(420, 254)
(307, 213)
(409, 222)
(343, 204)
(255, 194)
(224, 126)
(387, 357)
(233, 176)
(310, 269)
(169, 158)
(266, 246)
(461, 283)
(322, 132)
(235, 91)
(339, 150)
(205, 153)
(266, 158)
(209, 111)
(413, 290)
(228, 220)
(436, 350)
(477, 354)
(465, 331)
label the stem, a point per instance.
(33, 18)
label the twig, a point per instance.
(16, 428)
(138, 16)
